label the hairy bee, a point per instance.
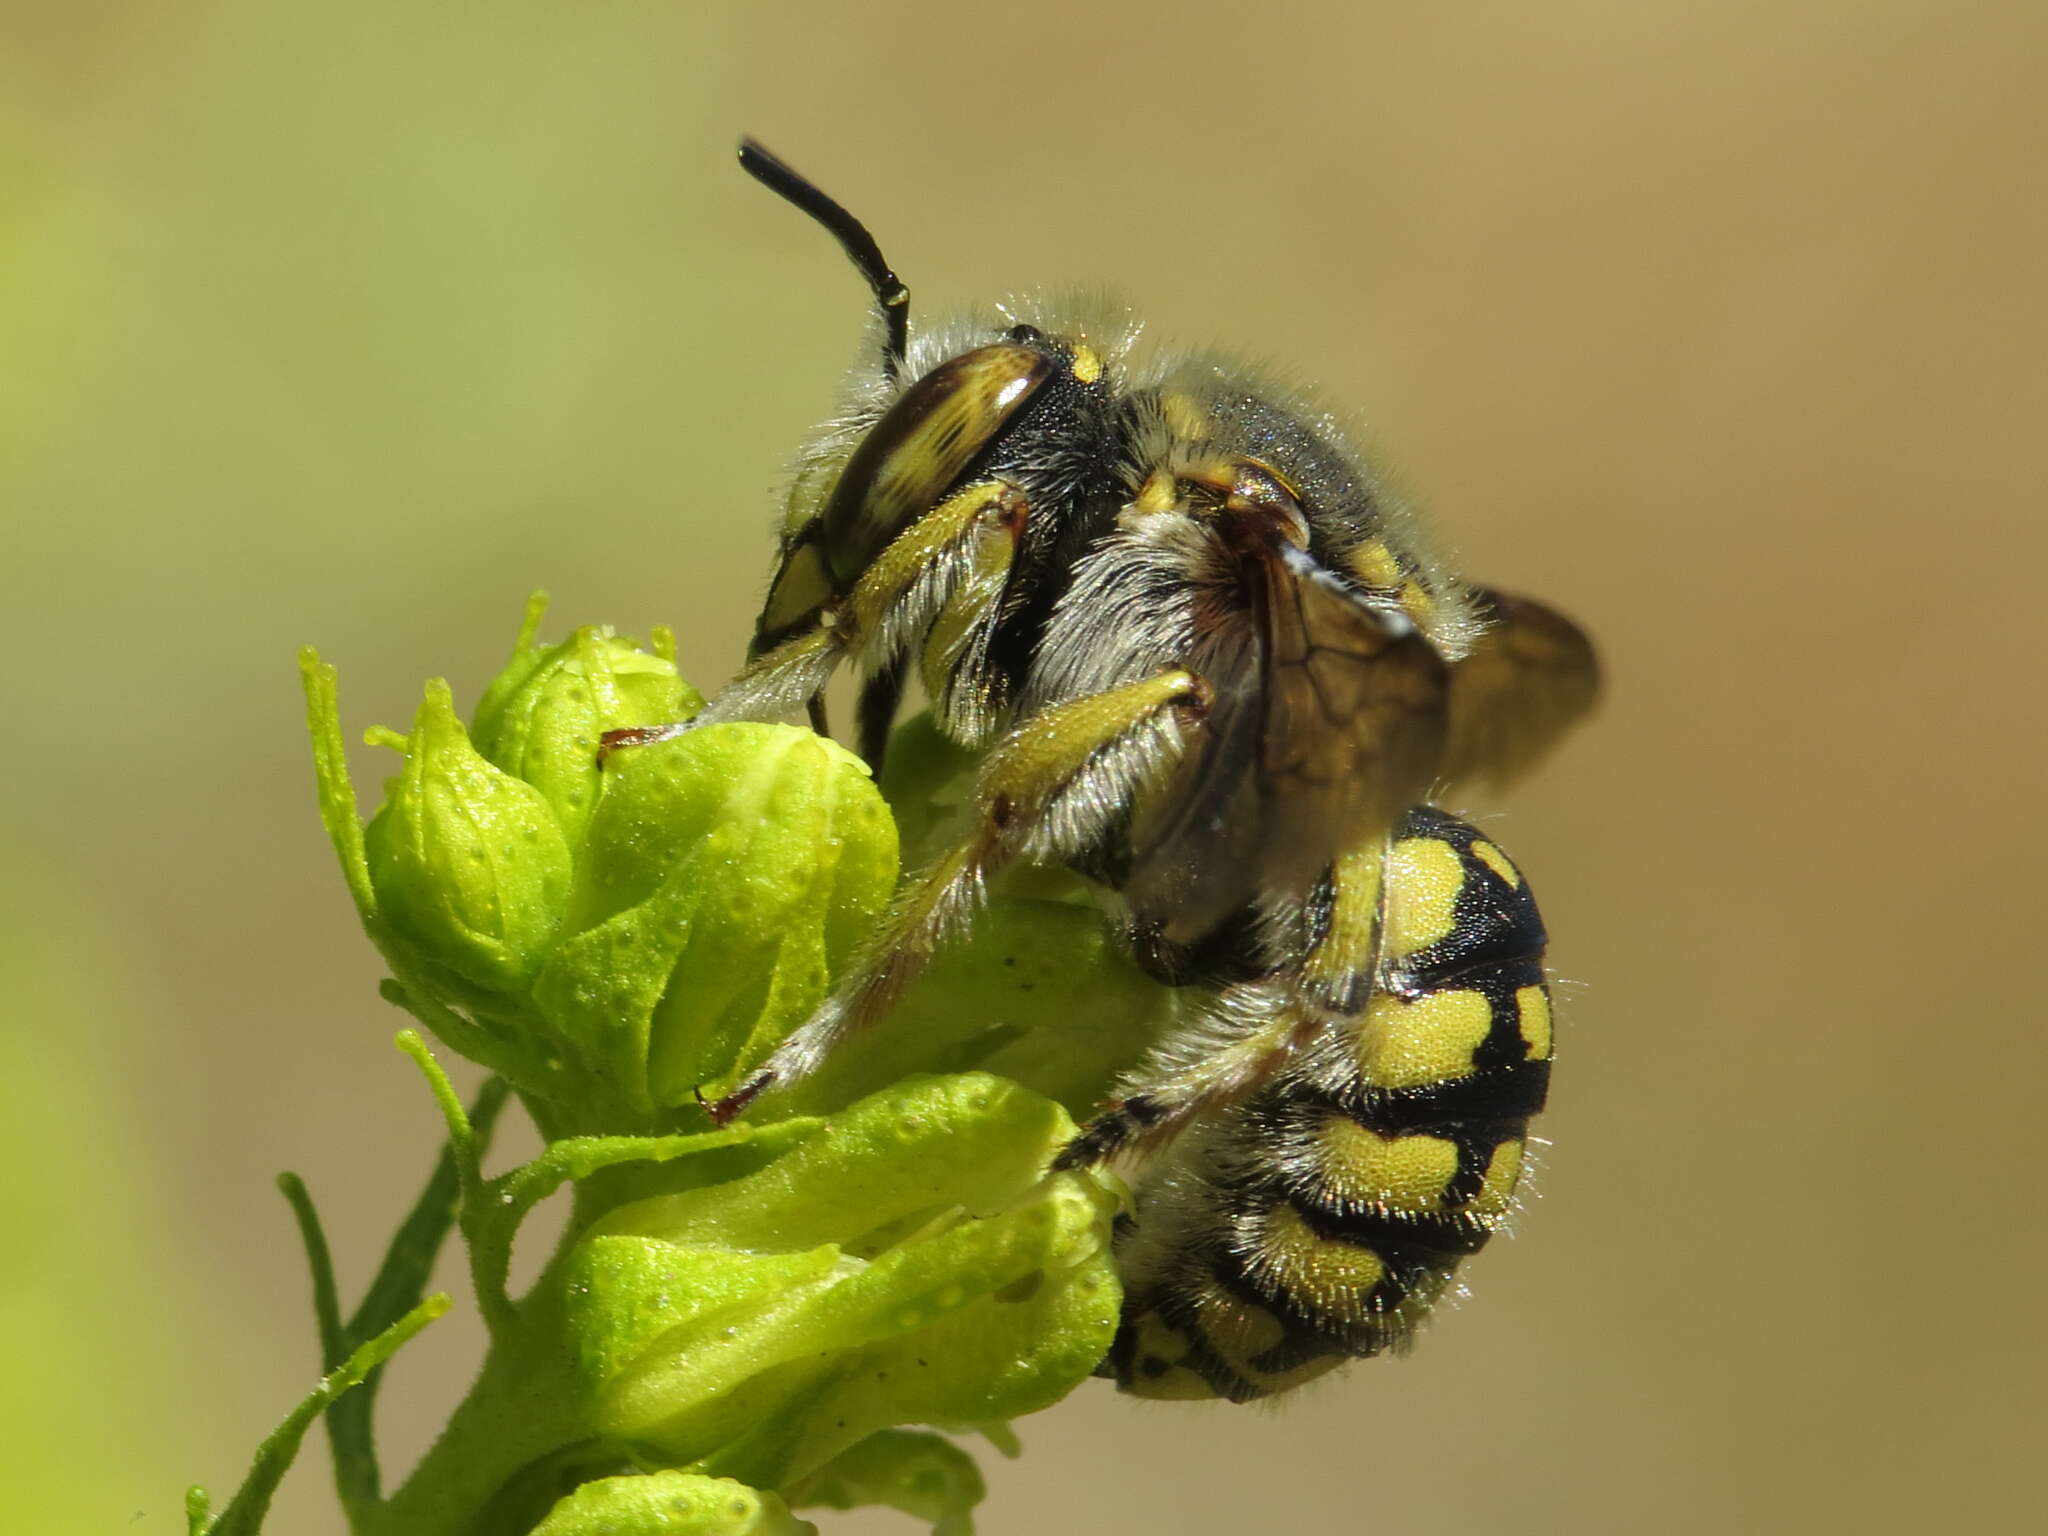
(1215, 670)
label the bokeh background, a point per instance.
(1720, 326)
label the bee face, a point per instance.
(1215, 668)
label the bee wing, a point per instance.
(1532, 676)
(1323, 742)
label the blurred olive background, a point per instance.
(1719, 326)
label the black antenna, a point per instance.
(852, 235)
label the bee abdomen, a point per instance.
(1330, 1211)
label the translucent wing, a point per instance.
(1319, 744)
(1530, 679)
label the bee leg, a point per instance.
(938, 585)
(1047, 792)
(920, 575)
(1257, 1027)
(771, 685)
(1222, 1058)
(879, 697)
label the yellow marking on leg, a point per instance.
(1424, 876)
(1491, 856)
(1184, 416)
(1534, 1005)
(1043, 754)
(912, 552)
(973, 601)
(1418, 604)
(1374, 564)
(1429, 1040)
(1358, 1167)
(1159, 493)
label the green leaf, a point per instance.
(629, 1295)
(1002, 1322)
(923, 1145)
(924, 1475)
(244, 1513)
(400, 1282)
(505, 1202)
(671, 1504)
(330, 768)
(326, 1303)
(908, 1262)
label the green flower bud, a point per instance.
(467, 864)
(612, 940)
(724, 877)
(671, 1504)
(609, 938)
(908, 1262)
(542, 718)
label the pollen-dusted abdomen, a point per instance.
(1319, 1220)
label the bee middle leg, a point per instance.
(1047, 793)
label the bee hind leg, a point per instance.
(1233, 1048)
(1254, 1029)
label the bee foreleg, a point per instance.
(777, 683)
(1047, 793)
(924, 574)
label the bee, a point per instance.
(1213, 667)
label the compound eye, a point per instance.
(914, 456)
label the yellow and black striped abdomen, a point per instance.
(1320, 1220)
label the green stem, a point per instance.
(522, 1409)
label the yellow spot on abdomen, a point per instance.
(1346, 948)
(1424, 876)
(1359, 1167)
(1329, 1275)
(1487, 854)
(1429, 1040)
(1503, 1173)
(1235, 1328)
(1534, 1003)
